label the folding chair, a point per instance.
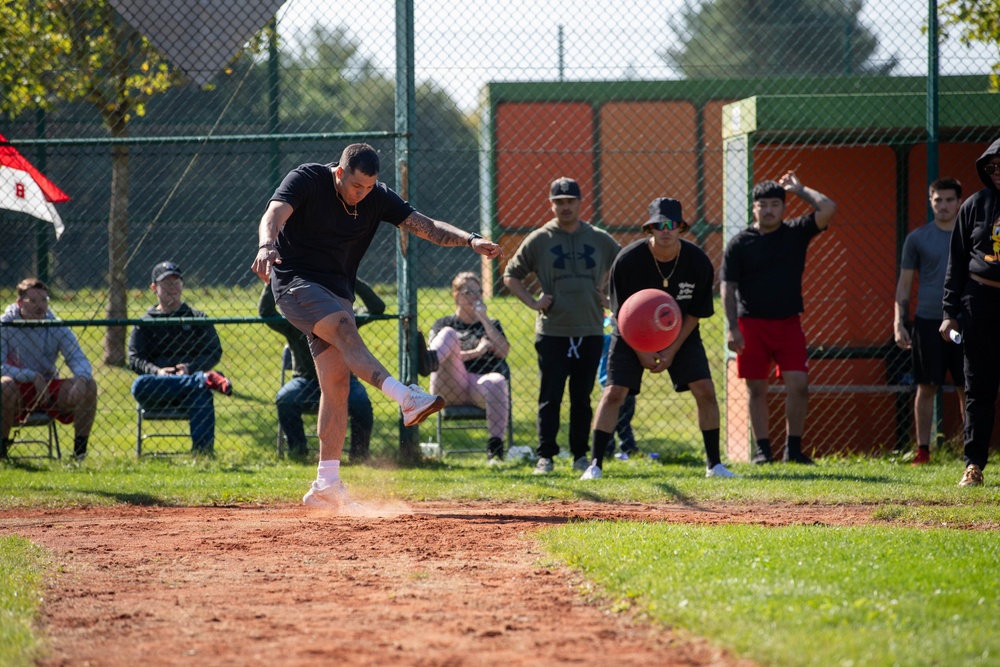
(466, 417)
(286, 366)
(52, 442)
(159, 414)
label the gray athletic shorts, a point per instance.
(304, 304)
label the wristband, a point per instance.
(269, 246)
(472, 237)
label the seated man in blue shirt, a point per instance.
(302, 392)
(174, 361)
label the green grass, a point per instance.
(784, 596)
(804, 595)
(22, 569)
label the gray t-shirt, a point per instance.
(925, 251)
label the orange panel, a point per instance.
(712, 146)
(536, 144)
(850, 276)
(954, 161)
(648, 150)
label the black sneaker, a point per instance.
(799, 457)
(761, 456)
(494, 449)
(427, 361)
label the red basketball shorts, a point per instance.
(781, 341)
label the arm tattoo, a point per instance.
(377, 379)
(434, 231)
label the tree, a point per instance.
(729, 39)
(53, 51)
(976, 21)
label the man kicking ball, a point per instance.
(312, 237)
(682, 270)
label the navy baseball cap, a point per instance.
(564, 188)
(164, 269)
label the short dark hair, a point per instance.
(30, 283)
(768, 190)
(360, 157)
(946, 184)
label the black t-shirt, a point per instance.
(469, 335)
(634, 269)
(767, 268)
(321, 242)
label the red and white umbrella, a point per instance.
(23, 188)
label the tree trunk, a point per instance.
(114, 337)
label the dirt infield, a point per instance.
(441, 584)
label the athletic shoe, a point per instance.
(973, 476)
(333, 497)
(427, 360)
(543, 467)
(494, 460)
(592, 472)
(761, 456)
(218, 382)
(719, 470)
(798, 457)
(580, 464)
(621, 456)
(923, 456)
(418, 405)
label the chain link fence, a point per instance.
(170, 124)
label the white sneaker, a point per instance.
(592, 472)
(621, 456)
(418, 405)
(719, 470)
(543, 467)
(333, 497)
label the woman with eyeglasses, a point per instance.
(471, 350)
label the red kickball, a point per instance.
(649, 320)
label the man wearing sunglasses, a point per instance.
(664, 261)
(571, 260)
(30, 380)
(762, 296)
(972, 303)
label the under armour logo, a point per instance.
(587, 255)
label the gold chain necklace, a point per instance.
(344, 204)
(656, 263)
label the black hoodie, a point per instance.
(975, 241)
(156, 346)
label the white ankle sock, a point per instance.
(394, 389)
(328, 472)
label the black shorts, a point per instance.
(933, 356)
(690, 364)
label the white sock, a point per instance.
(394, 389)
(328, 472)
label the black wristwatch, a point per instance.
(472, 237)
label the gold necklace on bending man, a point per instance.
(344, 204)
(656, 263)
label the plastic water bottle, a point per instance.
(654, 455)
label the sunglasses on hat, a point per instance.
(663, 224)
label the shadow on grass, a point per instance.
(133, 498)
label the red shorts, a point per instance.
(780, 340)
(28, 396)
